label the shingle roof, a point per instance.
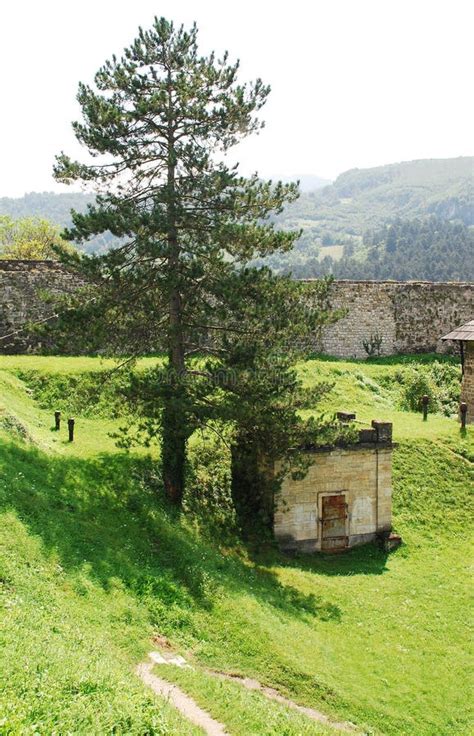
(465, 332)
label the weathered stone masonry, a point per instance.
(467, 390)
(409, 316)
(23, 287)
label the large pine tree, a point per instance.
(158, 123)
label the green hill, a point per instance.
(338, 220)
(363, 199)
(331, 216)
(93, 564)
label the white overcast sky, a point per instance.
(355, 83)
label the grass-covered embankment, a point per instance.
(93, 563)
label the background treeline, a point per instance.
(430, 249)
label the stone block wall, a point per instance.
(362, 472)
(467, 387)
(424, 310)
(369, 312)
(410, 317)
(23, 287)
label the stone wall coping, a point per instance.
(23, 264)
(391, 282)
(380, 444)
(20, 264)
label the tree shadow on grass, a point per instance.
(368, 559)
(106, 517)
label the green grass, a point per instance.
(365, 387)
(67, 649)
(93, 563)
(63, 364)
(18, 413)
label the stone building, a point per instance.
(464, 335)
(344, 500)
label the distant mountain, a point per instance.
(308, 182)
(361, 199)
(57, 207)
(52, 206)
(441, 187)
(335, 218)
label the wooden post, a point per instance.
(463, 414)
(57, 420)
(70, 426)
(425, 400)
(346, 416)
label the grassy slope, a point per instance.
(92, 564)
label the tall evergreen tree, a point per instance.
(157, 124)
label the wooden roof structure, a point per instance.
(464, 333)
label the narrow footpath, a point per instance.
(186, 705)
(190, 709)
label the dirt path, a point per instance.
(273, 694)
(180, 700)
(186, 705)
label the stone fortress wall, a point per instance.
(24, 286)
(410, 317)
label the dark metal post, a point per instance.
(70, 426)
(425, 400)
(463, 414)
(57, 420)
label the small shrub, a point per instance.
(439, 381)
(373, 345)
(415, 384)
(90, 394)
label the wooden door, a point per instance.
(333, 522)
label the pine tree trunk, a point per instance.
(174, 417)
(174, 435)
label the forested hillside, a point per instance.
(361, 199)
(431, 249)
(57, 209)
(429, 203)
